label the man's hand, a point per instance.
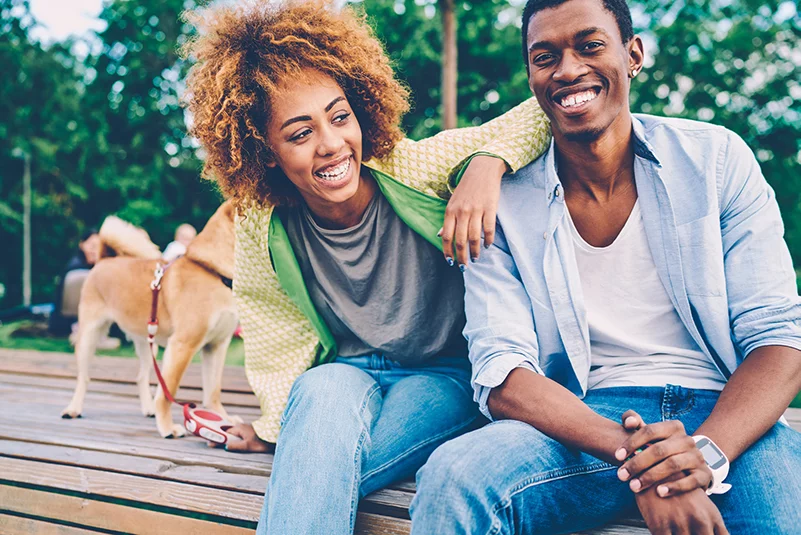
(472, 209)
(691, 513)
(249, 442)
(669, 454)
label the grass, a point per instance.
(12, 336)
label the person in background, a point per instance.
(184, 235)
(68, 293)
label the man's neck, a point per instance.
(598, 168)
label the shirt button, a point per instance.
(557, 191)
(544, 235)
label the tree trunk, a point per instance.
(26, 232)
(449, 63)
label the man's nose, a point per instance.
(570, 68)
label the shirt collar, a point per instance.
(553, 185)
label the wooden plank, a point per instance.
(112, 369)
(136, 465)
(128, 390)
(370, 524)
(119, 518)
(132, 489)
(16, 525)
(390, 500)
(127, 517)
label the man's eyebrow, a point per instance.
(300, 118)
(579, 35)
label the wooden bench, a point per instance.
(110, 472)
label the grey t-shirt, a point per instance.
(380, 286)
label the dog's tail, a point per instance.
(122, 238)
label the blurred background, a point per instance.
(91, 124)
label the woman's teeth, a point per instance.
(335, 173)
(578, 98)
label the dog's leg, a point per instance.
(143, 378)
(177, 355)
(89, 332)
(213, 367)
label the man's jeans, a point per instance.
(509, 478)
(355, 426)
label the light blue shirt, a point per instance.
(715, 233)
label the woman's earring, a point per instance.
(634, 72)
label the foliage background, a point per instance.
(102, 120)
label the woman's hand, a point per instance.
(472, 209)
(666, 452)
(249, 441)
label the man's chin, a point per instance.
(587, 135)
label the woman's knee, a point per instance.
(330, 393)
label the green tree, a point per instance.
(737, 64)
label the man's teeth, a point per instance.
(578, 98)
(335, 173)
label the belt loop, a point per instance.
(667, 403)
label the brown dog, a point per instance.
(196, 312)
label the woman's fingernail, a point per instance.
(630, 421)
(620, 454)
(439, 233)
(473, 259)
(662, 490)
(623, 474)
(635, 485)
(449, 260)
(462, 267)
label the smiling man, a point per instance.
(635, 327)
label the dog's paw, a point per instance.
(177, 431)
(149, 410)
(70, 413)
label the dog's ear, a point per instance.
(213, 248)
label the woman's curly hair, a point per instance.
(243, 52)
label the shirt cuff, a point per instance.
(496, 373)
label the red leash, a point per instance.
(201, 422)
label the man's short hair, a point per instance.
(618, 8)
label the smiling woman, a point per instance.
(338, 261)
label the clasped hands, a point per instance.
(669, 476)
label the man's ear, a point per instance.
(636, 55)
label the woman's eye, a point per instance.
(341, 117)
(300, 135)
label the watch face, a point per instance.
(712, 455)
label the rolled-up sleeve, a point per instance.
(500, 324)
(764, 307)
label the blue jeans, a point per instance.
(509, 478)
(357, 425)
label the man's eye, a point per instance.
(543, 58)
(341, 117)
(300, 135)
(594, 45)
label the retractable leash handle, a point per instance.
(200, 422)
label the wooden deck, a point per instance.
(110, 472)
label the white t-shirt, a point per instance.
(636, 335)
